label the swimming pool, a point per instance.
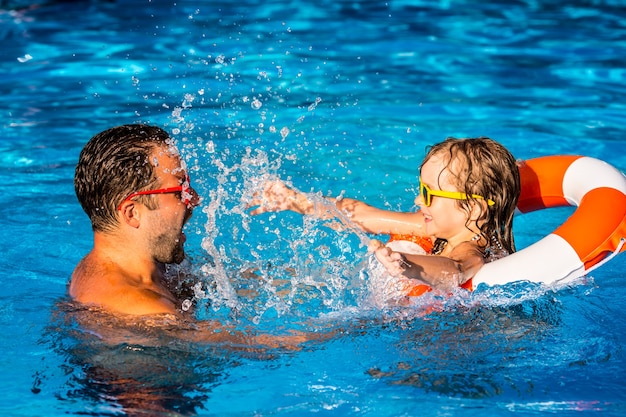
(338, 97)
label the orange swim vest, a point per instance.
(427, 244)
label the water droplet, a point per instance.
(25, 58)
(256, 104)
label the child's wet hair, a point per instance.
(482, 166)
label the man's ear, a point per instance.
(129, 213)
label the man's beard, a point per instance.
(169, 249)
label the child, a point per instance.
(468, 193)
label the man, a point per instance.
(132, 184)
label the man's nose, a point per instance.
(195, 199)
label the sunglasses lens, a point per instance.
(425, 194)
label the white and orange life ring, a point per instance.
(592, 235)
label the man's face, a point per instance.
(166, 236)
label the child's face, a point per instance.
(443, 218)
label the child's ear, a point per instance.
(478, 210)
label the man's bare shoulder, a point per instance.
(104, 284)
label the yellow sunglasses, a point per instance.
(428, 194)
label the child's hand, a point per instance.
(394, 262)
(374, 245)
(276, 196)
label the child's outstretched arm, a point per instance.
(276, 196)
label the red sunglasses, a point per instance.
(184, 189)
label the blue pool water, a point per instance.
(338, 97)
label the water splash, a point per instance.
(278, 264)
(287, 266)
(283, 265)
